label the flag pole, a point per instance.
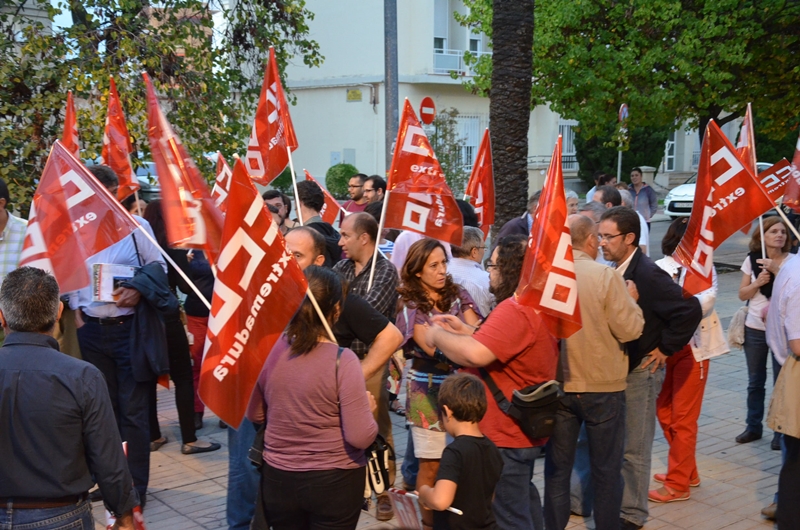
(321, 316)
(136, 197)
(786, 222)
(294, 186)
(761, 229)
(175, 266)
(378, 239)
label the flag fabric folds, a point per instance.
(192, 219)
(258, 289)
(73, 216)
(69, 137)
(774, 179)
(547, 282)
(418, 196)
(746, 147)
(273, 134)
(330, 211)
(222, 183)
(117, 146)
(727, 198)
(791, 196)
(480, 188)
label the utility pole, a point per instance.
(390, 75)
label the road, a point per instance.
(729, 256)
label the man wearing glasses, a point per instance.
(374, 189)
(358, 201)
(466, 269)
(669, 322)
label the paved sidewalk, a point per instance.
(737, 480)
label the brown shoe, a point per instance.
(770, 511)
(383, 511)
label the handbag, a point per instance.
(378, 456)
(533, 408)
(736, 327)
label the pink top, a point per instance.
(306, 429)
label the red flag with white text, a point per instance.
(192, 219)
(273, 133)
(547, 281)
(727, 198)
(258, 289)
(117, 146)
(419, 198)
(480, 187)
(746, 146)
(73, 216)
(69, 138)
(774, 179)
(222, 183)
(330, 211)
(791, 196)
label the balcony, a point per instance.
(447, 61)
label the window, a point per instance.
(441, 21)
(569, 162)
(439, 44)
(475, 45)
(669, 153)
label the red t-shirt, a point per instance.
(527, 354)
(352, 207)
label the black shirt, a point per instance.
(58, 427)
(474, 464)
(358, 321)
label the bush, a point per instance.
(283, 182)
(337, 178)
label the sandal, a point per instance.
(397, 408)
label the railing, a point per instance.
(446, 61)
(568, 162)
(695, 159)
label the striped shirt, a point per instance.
(11, 245)
(471, 276)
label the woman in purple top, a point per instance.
(428, 290)
(319, 420)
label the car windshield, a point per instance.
(692, 179)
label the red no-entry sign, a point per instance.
(427, 110)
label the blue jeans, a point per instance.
(756, 352)
(517, 505)
(789, 485)
(108, 348)
(75, 516)
(410, 466)
(640, 429)
(581, 492)
(243, 477)
(603, 414)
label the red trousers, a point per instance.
(678, 407)
(197, 326)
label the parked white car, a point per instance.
(679, 200)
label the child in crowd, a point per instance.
(470, 465)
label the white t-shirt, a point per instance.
(644, 235)
(756, 312)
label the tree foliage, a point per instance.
(671, 61)
(209, 78)
(337, 177)
(449, 149)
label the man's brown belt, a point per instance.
(29, 503)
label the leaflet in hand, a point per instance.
(106, 277)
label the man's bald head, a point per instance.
(583, 231)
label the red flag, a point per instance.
(222, 184)
(273, 133)
(480, 187)
(419, 198)
(72, 217)
(192, 219)
(331, 209)
(258, 289)
(792, 194)
(730, 197)
(547, 282)
(117, 146)
(773, 180)
(746, 147)
(70, 136)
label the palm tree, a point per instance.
(510, 104)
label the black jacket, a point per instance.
(670, 320)
(149, 356)
(333, 252)
(518, 225)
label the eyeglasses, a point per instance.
(368, 190)
(351, 186)
(489, 265)
(607, 238)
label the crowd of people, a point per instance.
(440, 322)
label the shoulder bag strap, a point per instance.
(138, 256)
(501, 400)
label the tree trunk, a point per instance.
(510, 104)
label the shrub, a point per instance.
(337, 178)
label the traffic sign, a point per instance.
(623, 112)
(427, 110)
